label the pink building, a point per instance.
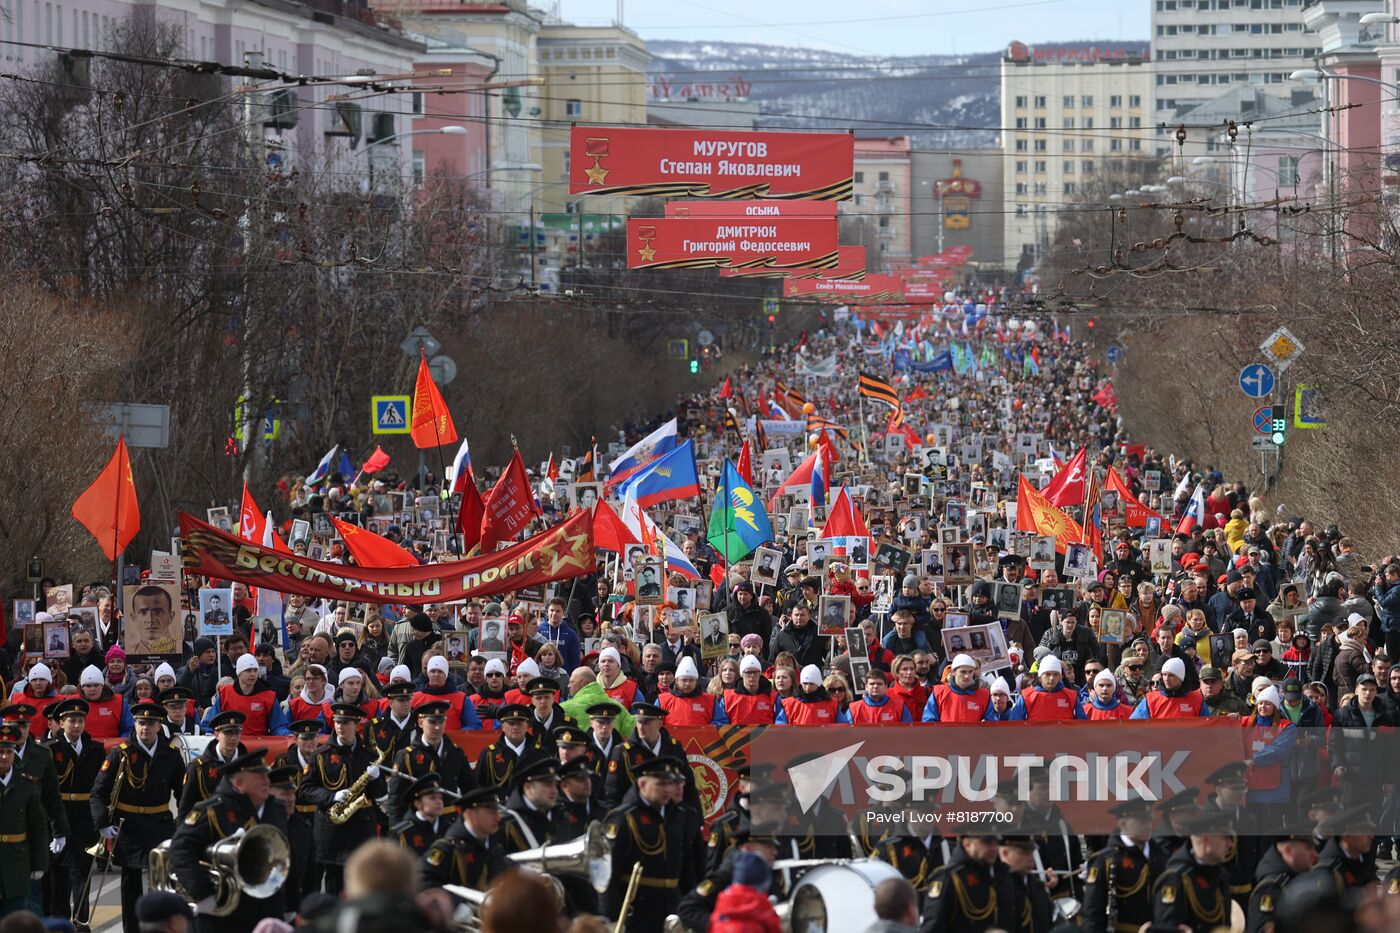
(451, 132)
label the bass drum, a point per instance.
(831, 898)
(191, 746)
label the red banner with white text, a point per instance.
(728, 242)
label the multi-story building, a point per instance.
(309, 126)
(1203, 48)
(1068, 116)
(883, 198)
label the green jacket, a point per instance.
(38, 764)
(24, 835)
(1227, 702)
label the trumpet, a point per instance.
(356, 800)
(98, 850)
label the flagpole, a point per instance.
(864, 438)
(442, 463)
(116, 539)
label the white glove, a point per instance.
(56, 846)
(109, 832)
(237, 833)
(373, 772)
(205, 905)
(340, 795)
(36, 876)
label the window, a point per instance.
(1088, 123)
(1069, 123)
(1136, 122)
(1020, 165)
(1021, 187)
(1021, 101)
(1115, 100)
(1020, 210)
(1069, 100)
(1136, 145)
(884, 221)
(419, 159)
(1040, 187)
(884, 176)
(417, 99)
(1040, 123)
(1021, 123)
(1069, 166)
(1086, 167)
(1040, 166)
(573, 108)
(1040, 100)
(1115, 145)
(1288, 170)
(1020, 147)
(1087, 100)
(860, 177)
(1040, 145)
(1069, 187)
(859, 199)
(1086, 145)
(1067, 145)
(1135, 101)
(1115, 123)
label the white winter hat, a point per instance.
(42, 617)
(811, 674)
(528, 667)
(749, 663)
(163, 670)
(439, 663)
(1001, 686)
(493, 666)
(246, 662)
(90, 675)
(400, 672)
(1050, 665)
(687, 669)
(346, 673)
(41, 671)
(1105, 675)
(963, 660)
(1269, 695)
(1176, 667)
(610, 652)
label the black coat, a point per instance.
(805, 644)
(336, 768)
(149, 782)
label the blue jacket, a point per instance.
(1388, 605)
(916, 635)
(1278, 752)
(567, 640)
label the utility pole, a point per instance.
(253, 143)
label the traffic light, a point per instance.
(1279, 419)
(694, 367)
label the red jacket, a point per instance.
(915, 697)
(742, 909)
(750, 709)
(696, 710)
(257, 707)
(1186, 706)
(104, 719)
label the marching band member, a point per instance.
(178, 721)
(644, 829)
(497, 763)
(152, 774)
(24, 829)
(202, 774)
(429, 751)
(392, 727)
(648, 741)
(285, 779)
(532, 801)
(327, 783)
(425, 822)
(469, 854)
(78, 759)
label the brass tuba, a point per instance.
(255, 864)
(589, 857)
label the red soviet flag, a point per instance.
(370, 549)
(470, 512)
(745, 464)
(509, 506)
(431, 424)
(108, 507)
(376, 462)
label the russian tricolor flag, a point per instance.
(461, 467)
(657, 443)
(323, 469)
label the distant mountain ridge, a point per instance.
(940, 101)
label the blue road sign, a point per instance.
(1115, 354)
(389, 414)
(1256, 380)
(1264, 420)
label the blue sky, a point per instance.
(889, 27)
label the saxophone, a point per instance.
(356, 800)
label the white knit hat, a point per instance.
(811, 674)
(1176, 667)
(163, 670)
(1105, 675)
(687, 669)
(400, 672)
(750, 663)
(1001, 686)
(963, 660)
(439, 663)
(348, 672)
(528, 667)
(246, 662)
(493, 666)
(41, 671)
(1269, 695)
(90, 675)
(1050, 665)
(610, 652)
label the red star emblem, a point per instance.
(417, 841)
(232, 816)
(418, 758)
(470, 858)
(1127, 861)
(972, 881)
(335, 759)
(1202, 883)
(500, 758)
(908, 850)
(644, 820)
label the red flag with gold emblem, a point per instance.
(509, 506)
(370, 549)
(1035, 513)
(431, 423)
(108, 508)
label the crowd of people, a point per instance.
(1249, 613)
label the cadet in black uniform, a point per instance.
(301, 816)
(392, 727)
(644, 829)
(916, 857)
(175, 701)
(1130, 862)
(602, 740)
(284, 781)
(962, 896)
(469, 854)
(424, 823)
(1194, 888)
(1023, 900)
(428, 750)
(1171, 834)
(697, 905)
(78, 758)
(532, 804)
(152, 775)
(495, 766)
(734, 820)
(242, 800)
(339, 765)
(648, 741)
(1293, 853)
(546, 714)
(24, 828)
(1346, 854)
(1058, 842)
(572, 816)
(1229, 802)
(34, 760)
(202, 774)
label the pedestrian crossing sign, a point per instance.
(389, 414)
